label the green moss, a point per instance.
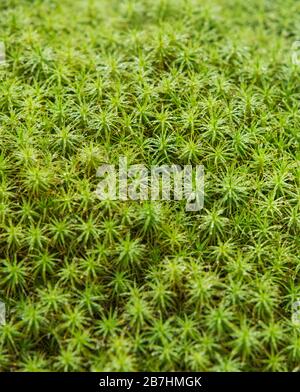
(115, 285)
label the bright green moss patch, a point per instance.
(93, 285)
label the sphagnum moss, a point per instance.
(123, 285)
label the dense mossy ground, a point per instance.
(93, 285)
